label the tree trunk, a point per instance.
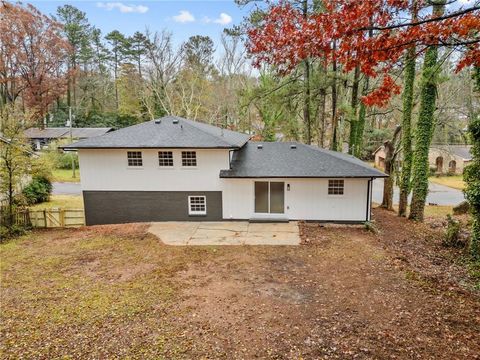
(306, 102)
(306, 90)
(115, 74)
(390, 157)
(407, 153)
(353, 118)
(425, 126)
(321, 119)
(362, 114)
(333, 143)
(471, 176)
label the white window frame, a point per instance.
(336, 187)
(189, 159)
(166, 166)
(197, 212)
(140, 158)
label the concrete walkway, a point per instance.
(226, 233)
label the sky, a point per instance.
(182, 18)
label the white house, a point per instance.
(177, 169)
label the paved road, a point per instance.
(66, 188)
(438, 194)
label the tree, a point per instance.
(119, 47)
(367, 34)
(33, 58)
(138, 49)
(407, 152)
(471, 176)
(14, 159)
(425, 126)
(390, 147)
(198, 53)
(78, 32)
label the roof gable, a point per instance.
(167, 132)
(280, 159)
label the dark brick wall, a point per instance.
(116, 207)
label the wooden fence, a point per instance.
(47, 218)
(51, 218)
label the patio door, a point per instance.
(269, 197)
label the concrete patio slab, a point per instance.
(226, 233)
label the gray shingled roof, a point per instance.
(278, 159)
(64, 132)
(462, 151)
(167, 132)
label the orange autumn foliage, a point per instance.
(371, 34)
(33, 58)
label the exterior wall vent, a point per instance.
(259, 146)
(293, 146)
(175, 121)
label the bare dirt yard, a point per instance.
(118, 292)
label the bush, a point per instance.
(452, 234)
(12, 231)
(38, 190)
(64, 161)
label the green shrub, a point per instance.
(371, 226)
(64, 161)
(452, 234)
(10, 232)
(38, 190)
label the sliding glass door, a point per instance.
(269, 197)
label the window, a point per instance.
(189, 158)
(335, 187)
(134, 158)
(165, 158)
(197, 205)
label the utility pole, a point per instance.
(71, 139)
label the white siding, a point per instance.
(307, 199)
(107, 170)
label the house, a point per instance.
(449, 159)
(177, 169)
(443, 159)
(42, 137)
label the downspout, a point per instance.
(369, 200)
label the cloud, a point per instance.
(184, 17)
(223, 19)
(123, 8)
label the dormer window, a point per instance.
(189, 158)
(134, 158)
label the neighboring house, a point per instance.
(178, 169)
(42, 137)
(449, 159)
(444, 159)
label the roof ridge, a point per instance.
(191, 123)
(341, 156)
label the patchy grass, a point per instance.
(61, 201)
(118, 292)
(438, 211)
(64, 175)
(454, 181)
(431, 211)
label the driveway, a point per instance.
(226, 233)
(66, 188)
(437, 194)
